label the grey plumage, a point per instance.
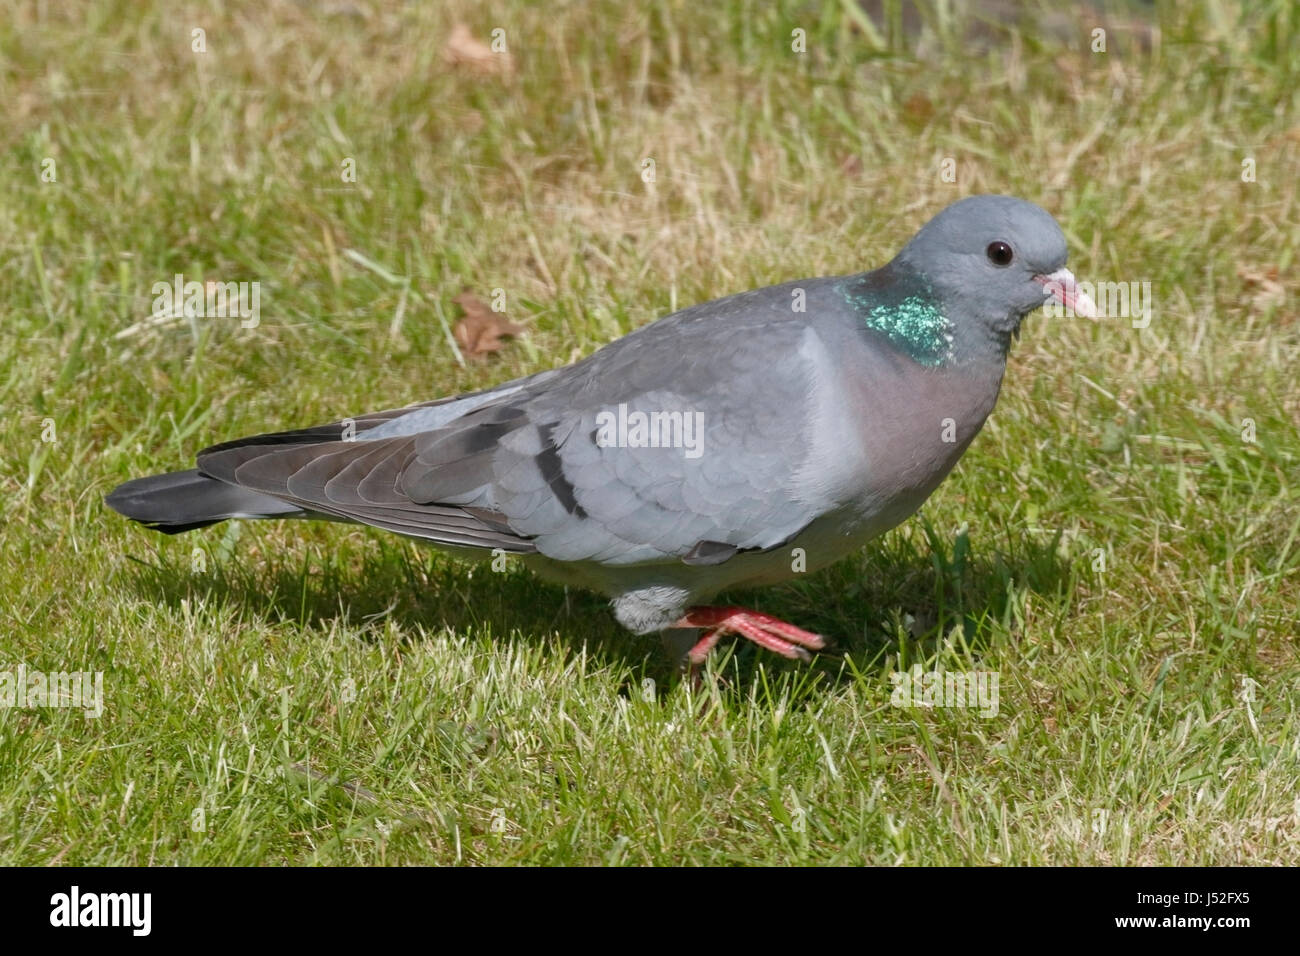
(828, 409)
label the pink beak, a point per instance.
(1060, 285)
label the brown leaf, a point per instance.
(462, 50)
(1269, 290)
(918, 109)
(481, 331)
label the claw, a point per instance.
(763, 629)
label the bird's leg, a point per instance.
(763, 629)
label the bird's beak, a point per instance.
(1060, 285)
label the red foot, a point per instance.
(763, 629)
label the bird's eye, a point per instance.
(1000, 253)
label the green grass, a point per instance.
(326, 694)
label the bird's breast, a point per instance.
(912, 432)
(886, 431)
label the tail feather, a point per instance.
(184, 500)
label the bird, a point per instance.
(739, 442)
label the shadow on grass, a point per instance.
(318, 582)
(893, 592)
(898, 591)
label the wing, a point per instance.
(680, 441)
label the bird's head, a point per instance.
(991, 260)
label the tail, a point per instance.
(184, 500)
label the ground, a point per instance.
(1120, 546)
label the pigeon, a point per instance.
(739, 442)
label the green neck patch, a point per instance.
(903, 309)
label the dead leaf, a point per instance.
(1269, 290)
(462, 50)
(918, 109)
(481, 331)
(1258, 276)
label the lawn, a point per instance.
(1121, 544)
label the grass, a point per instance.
(1112, 545)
